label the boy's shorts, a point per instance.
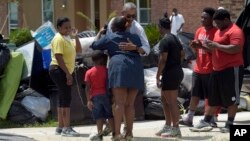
(102, 107)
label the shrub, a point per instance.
(20, 36)
(153, 34)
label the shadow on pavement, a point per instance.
(237, 122)
(155, 139)
(243, 122)
(12, 137)
(194, 138)
(84, 135)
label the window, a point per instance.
(13, 16)
(143, 10)
(47, 10)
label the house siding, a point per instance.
(233, 6)
(190, 9)
(3, 14)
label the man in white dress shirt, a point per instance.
(129, 11)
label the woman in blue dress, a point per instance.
(125, 71)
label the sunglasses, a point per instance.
(130, 16)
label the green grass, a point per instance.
(50, 122)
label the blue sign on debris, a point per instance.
(44, 36)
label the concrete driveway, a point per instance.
(143, 131)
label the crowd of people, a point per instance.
(111, 88)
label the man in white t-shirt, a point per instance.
(177, 22)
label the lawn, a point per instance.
(50, 122)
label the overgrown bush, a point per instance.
(20, 36)
(153, 34)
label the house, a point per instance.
(32, 13)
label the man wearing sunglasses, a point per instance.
(129, 11)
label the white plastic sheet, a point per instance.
(187, 79)
(85, 44)
(150, 82)
(38, 106)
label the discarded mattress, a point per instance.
(10, 82)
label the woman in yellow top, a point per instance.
(63, 53)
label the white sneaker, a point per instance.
(175, 132)
(164, 129)
(186, 121)
(69, 132)
(96, 137)
(58, 131)
(202, 126)
(226, 129)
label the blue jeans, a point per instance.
(102, 107)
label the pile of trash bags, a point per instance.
(29, 107)
(151, 97)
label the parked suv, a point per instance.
(244, 23)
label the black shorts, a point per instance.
(58, 76)
(171, 79)
(225, 86)
(200, 85)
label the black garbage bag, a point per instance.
(185, 95)
(4, 57)
(185, 39)
(19, 114)
(153, 108)
(150, 60)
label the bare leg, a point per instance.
(99, 124)
(217, 112)
(231, 111)
(111, 125)
(60, 117)
(130, 111)
(193, 103)
(120, 95)
(66, 116)
(210, 110)
(171, 99)
(125, 125)
(166, 110)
